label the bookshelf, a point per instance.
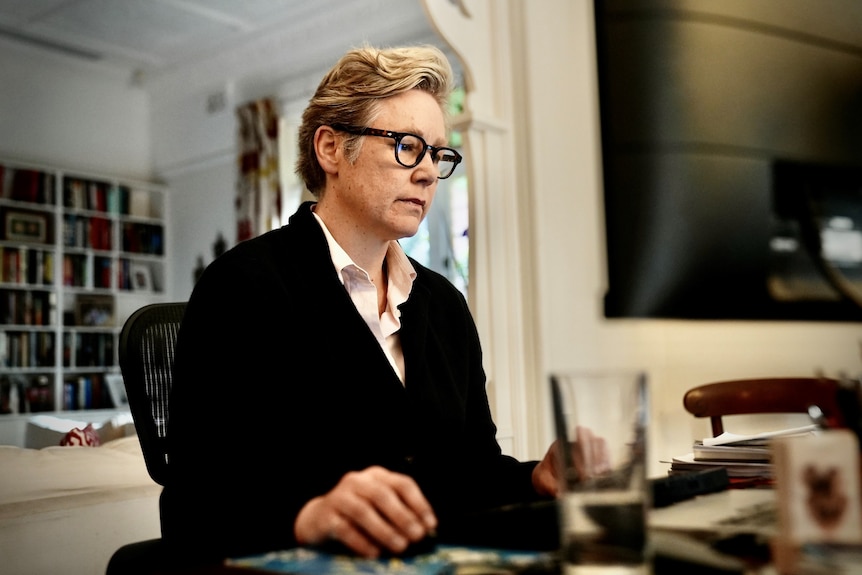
(79, 252)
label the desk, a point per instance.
(724, 513)
(681, 536)
(687, 536)
(729, 529)
(749, 514)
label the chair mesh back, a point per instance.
(146, 354)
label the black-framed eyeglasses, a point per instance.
(410, 149)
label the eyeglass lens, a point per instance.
(410, 149)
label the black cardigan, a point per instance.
(280, 388)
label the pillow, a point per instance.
(77, 436)
(47, 430)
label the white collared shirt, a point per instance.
(363, 293)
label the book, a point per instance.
(728, 438)
(735, 469)
(444, 560)
(758, 452)
(743, 456)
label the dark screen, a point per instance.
(710, 122)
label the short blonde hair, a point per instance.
(350, 94)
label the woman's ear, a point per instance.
(326, 146)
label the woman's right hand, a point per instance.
(589, 454)
(368, 511)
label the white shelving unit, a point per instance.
(79, 252)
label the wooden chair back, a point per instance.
(765, 395)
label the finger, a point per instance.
(593, 453)
(380, 505)
(584, 451)
(408, 492)
(324, 518)
(546, 476)
(373, 529)
(397, 512)
(352, 537)
(603, 460)
(338, 527)
(577, 455)
(405, 520)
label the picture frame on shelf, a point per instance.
(142, 277)
(25, 227)
(94, 310)
(117, 390)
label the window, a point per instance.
(442, 242)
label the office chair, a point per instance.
(146, 355)
(766, 395)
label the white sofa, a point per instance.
(67, 509)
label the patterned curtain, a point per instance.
(258, 201)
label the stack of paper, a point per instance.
(743, 456)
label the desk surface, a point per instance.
(743, 524)
(729, 530)
(688, 530)
(723, 513)
(681, 536)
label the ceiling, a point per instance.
(152, 39)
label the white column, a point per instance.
(479, 33)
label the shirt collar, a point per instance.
(401, 271)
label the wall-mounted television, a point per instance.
(732, 158)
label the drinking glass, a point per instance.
(601, 421)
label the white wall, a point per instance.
(565, 183)
(69, 113)
(202, 204)
(555, 133)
